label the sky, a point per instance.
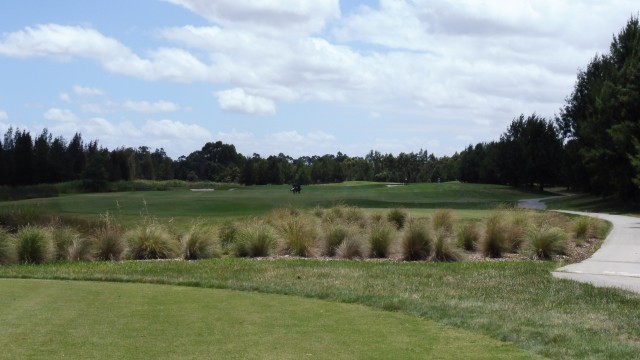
(296, 77)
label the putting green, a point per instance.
(83, 320)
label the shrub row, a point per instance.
(341, 231)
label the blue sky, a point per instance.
(294, 77)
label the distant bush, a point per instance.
(468, 236)
(398, 217)
(8, 193)
(381, 237)
(417, 242)
(199, 243)
(547, 241)
(34, 245)
(255, 239)
(151, 241)
(494, 243)
(443, 220)
(7, 248)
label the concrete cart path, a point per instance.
(617, 262)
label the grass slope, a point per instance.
(84, 320)
(517, 302)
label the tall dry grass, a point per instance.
(417, 241)
(199, 242)
(255, 238)
(7, 248)
(152, 240)
(34, 245)
(494, 243)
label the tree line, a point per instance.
(593, 145)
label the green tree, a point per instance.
(602, 116)
(94, 176)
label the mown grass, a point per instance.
(138, 321)
(181, 206)
(510, 301)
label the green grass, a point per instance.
(181, 206)
(509, 301)
(585, 202)
(141, 321)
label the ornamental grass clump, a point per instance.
(443, 247)
(353, 247)
(468, 236)
(398, 217)
(584, 228)
(494, 243)
(515, 229)
(108, 240)
(381, 238)
(34, 245)
(299, 236)
(7, 248)
(227, 233)
(152, 241)
(255, 239)
(70, 245)
(417, 242)
(547, 241)
(81, 249)
(199, 242)
(334, 236)
(443, 220)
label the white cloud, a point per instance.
(87, 91)
(3, 115)
(65, 42)
(65, 97)
(62, 115)
(275, 17)
(237, 100)
(176, 130)
(154, 107)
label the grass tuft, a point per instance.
(443, 220)
(398, 217)
(151, 241)
(468, 236)
(352, 247)
(299, 236)
(34, 245)
(199, 243)
(381, 238)
(255, 239)
(108, 239)
(584, 228)
(334, 236)
(547, 241)
(416, 242)
(7, 248)
(494, 243)
(443, 247)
